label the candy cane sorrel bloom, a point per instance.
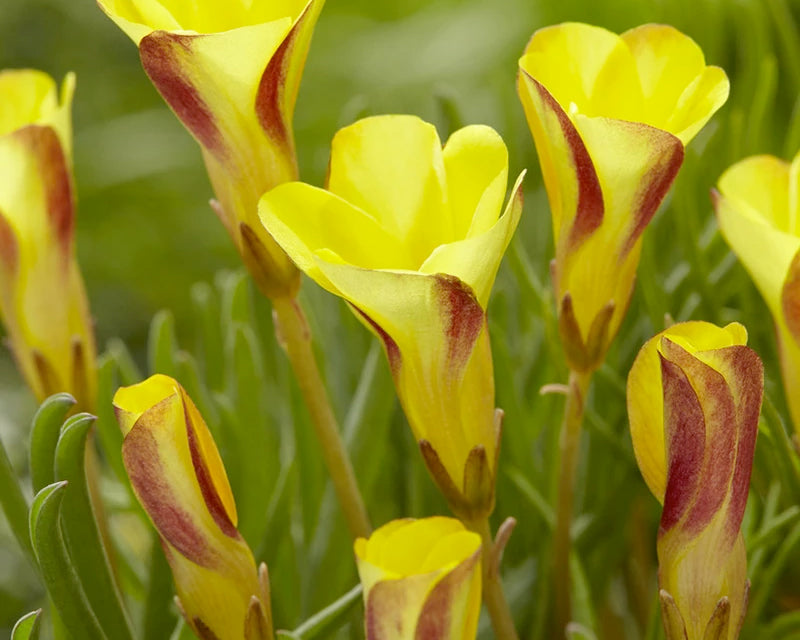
(421, 579)
(758, 209)
(694, 397)
(42, 298)
(610, 116)
(178, 477)
(230, 70)
(411, 236)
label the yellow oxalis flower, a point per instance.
(231, 71)
(411, 236)
(694, 397)
(43, 303)
(610, 115)
(177, 475)
(758, 209)
(421, 580)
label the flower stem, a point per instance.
(568, 445)
(295, 336)
(493, 596)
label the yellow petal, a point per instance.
(305, 220)
(434, 333)
(587, 69)
(753, 214)
(680, 92)
(392, 168)
(476, 260)
(476, 163)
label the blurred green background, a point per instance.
(146, 234)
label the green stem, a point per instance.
(493, 596)
(295, 336)
(568, 444)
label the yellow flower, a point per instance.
(421, 579)
(178, 477)
(411, 236)
(610, 116)
(694, 397)
(42, 298)
(758, 210)
(230, 71)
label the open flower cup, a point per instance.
(758, 209)
(610, 115)
(231, 71)
(43, 303)
(421, 580)
(177, 475)
(411, 235)
(694, 397)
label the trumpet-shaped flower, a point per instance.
(411, 236)
(230, 71)
(610, 116)
(178, 477)
(42, 298)
(694, 397)
(421, 580)
(758, 209)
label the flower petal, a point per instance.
(392, 168)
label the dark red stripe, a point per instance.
(206, 482)
(9, 249)
(142, 460)
(655, 184)
(390, 346)
(590, 209)
(684, 433)
(164, 56)
(464, 318)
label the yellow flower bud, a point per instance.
(178, 477)
(421, 580)
(43, 303)
(694, 397)
(610, 116)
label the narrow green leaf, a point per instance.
(532, 494)
(129, 373)
(158, 610)
(327, 620)
(85, 544)
(771, 574)
(14, 505)
(209, 349)
(108, 430)
(235, 303)
(27, 627)
(256, 438)
(162, 344)
(57, 572)
(45, 430)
